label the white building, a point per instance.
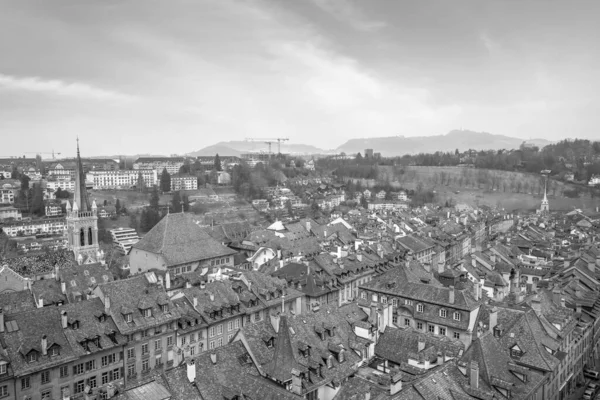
(184, 182)
(172, 164)
(64, 183)
(27, 228)
(53, 210)
(595, 180)
(121, 179)
(10, 212)
(6, 174)
(8, 192)
(124, 238)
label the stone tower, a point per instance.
(82, 220)
(545, 207)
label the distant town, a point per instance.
(466, 274)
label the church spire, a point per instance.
(80, 197)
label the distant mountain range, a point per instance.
(458, 139)
(387, 146)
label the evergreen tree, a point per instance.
(176, 202)
(133, 222)
(218, 163)
(105, 203)
(154, 199)
(359, 157)
(37, 202)
(165, 181)
(186, 202)
(117, 206)
(141, 184)
(24, 182)
(290, 209)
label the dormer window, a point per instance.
(443, 313)
(147, 312)
(128, 317)
(419, 307)
(384, 299)
(516, 351)
(341, 356)
(32, 356)
(330, 362)
(164, 308)
(54, 351)
(456, 316)
(3, 368)
(75, 325)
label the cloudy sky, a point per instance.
(172, 76)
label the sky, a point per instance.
(174, 76)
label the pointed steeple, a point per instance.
(545, 187)
(80, 197)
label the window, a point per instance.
(144, 334)
(363, 295)
(257, 316)
(157, 344)
(2, 368)
(419, 307)
(158, 360)
(443, 313)
(3, 391)
(220, 342)
(384, 300)
(90, 365)
(374, 297)
(406, 322)
(211, 345)
(457, 316)
(78, 369)
(116, 374)
(54, 351)
(170, 341)
(420, 326)
(92, 382)
(237, 324)
(127, 317)
(47, 394)
(431, 328)
(25, 383)
(229, 337)
(145, 366)
(63, 391)
(79, 386)
(64, 371)
(131, 370)
(104, 378)
(45, 377)
(408, 302)
(211, 331)
(192, 350)
(183, 340)
(456, 335)
(442, 331)
(148, 312)
(32, 356)
(395, 319)
(230, 326)
(145, 349)
(395, 302)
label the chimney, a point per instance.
(44, 345)
(578, 308)
(448, 215)
(167, 280)
(212, 296)
(440, 358)
(359, 256)
(451, 295)
(474, 375)
(191, 371)
(40, 303)
(63, 287)
(56, 270)
(493, 258)
(188, 284)
(1, 321)
(107, 304)
(280, 264)
(427, 266)
(339, 252)
(195, 301)
(63, 319)
(308, 226)
(367, 395)
(421, 345)
(396, 383)
(279, 254)
(556, 296)
(566, 263)
(275, 321)
(297, 379)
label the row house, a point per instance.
(10, 212)
(420, 302)
(121, 179)
(9, 191)
(144, 314)
(54, 226)
(62, 183)
(183, 182)
(421, 248)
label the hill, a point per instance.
(236, 147)
(461, 139)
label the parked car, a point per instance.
(590, 373)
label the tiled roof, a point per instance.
(179, 240)
(16, 302)
(30, 327)
(312, 280)
(125, 296)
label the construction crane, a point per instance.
(41, 152)
(269, 141)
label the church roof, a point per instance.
(80, 198)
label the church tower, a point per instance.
(82, 220)
(545, 207)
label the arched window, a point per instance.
(81, 237)
(90, 241)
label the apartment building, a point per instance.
(124, 239)
(171, 164)
(184, 182)
(121, 179)
(54, 226)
